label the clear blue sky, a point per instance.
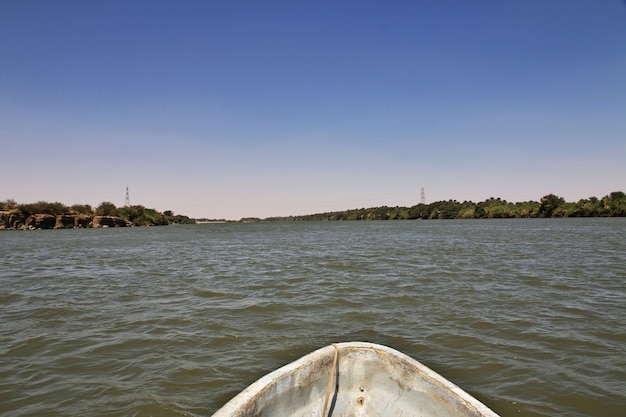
(262, 108)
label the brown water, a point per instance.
(526, 315)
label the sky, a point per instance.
(225, 110)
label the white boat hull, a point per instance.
(365, 380)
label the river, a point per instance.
(529, 316)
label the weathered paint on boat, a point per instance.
(368, 380)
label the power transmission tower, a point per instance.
(127, 202)
(423, 196)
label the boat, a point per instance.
(354, 379)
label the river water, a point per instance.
(529, 316)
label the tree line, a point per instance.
(138, 215)
(550, 206)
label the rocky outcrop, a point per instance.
(110, 221)
(11, 221)
(64, 221)
(7, 220)
(82, 220)
(68, 221)
(40, 221)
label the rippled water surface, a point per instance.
(526, 315)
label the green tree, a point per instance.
(615, 204)
(81, 209)
(419, 211)
(107, 208)
(565, 210)
(43, 207)
(549, 204)
(526, 209)
(8, 205)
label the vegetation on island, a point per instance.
(550, 206)
(138, 215)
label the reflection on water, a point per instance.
(527, 315)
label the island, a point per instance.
(55, 215)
